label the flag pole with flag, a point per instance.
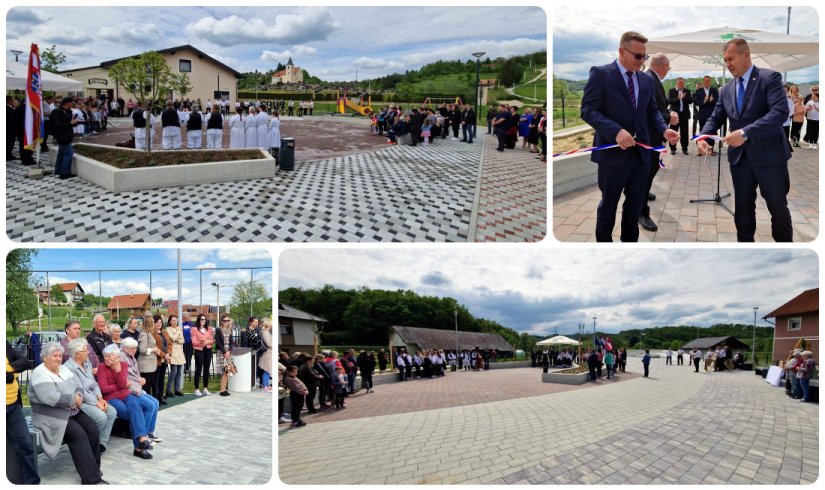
(33, 133)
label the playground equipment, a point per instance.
(437, 101)
(355, 104)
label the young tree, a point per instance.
(51, 59)
(181, 84)
(56, 295)
(251, 296)
(21, 301)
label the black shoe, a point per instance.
(153, 437)
(313, 411)
(224, 393)
(67, 176)
(169, 395)
(647, 223)
(163, 401)
(102, 449)
(672, 152)
(142, 454)
(685, 151)
(651, 196)
(145, 445)
(178, 393)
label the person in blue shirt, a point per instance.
(646, 361)
(35, 347)
(187, 342)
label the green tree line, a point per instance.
(364, 316)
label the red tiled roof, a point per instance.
(806, 302)
(69, 286)
(126, 301)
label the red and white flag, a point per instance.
(34, 102)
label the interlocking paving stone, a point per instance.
(648, 435)
(398, 193)
(690, 177)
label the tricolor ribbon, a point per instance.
(659, 149)
(707, 137)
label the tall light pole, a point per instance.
(478, 56)
(594, 332)
(39, 311)
(455, 314)
(218, 287)
(16, 53)
(753, 344)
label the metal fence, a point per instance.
(239, 292)
(567, 111)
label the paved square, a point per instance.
(675, 427)
(688, 177)
(394, 194)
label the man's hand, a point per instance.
(625, 140)
(671, 136)
(704, 147)
(734, 139)
(674, 119)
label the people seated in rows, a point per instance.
(122, 386)
(72, 330)
(56, 403)
(93, 404)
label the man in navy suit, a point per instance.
(754, 102)
(680, 101)
(619, 104)
(704, 99)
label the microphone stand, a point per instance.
(717, 198)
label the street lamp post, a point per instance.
(455, 314)
(39, 287)
(16, 53)
(753, 344)
(218, 287)
(478, 56)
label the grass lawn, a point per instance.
(537, 90)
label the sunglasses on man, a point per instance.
(638, 57)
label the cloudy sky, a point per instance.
(225, 267)
(327, 41)
(537, 291)
(577, 45)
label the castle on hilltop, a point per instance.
(291, 74)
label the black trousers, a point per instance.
(812, 133)
(187, 355)
(647, 368)
(414, 137)
(296, 401)
(27, 156)
(651, 174)
(159, 382)
(310, 398)
(629, 179)
(367, 379)
(774, 184)
(149, 387)
(83, 440)
(502, 140)
(696, 364)
(796, 129)
(679, 360)
(203, 358)
(682, 128)
(19, 440)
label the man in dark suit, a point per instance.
(754, 102)
(659, 66)
(705, 99)
(619, 104)
(680, 100)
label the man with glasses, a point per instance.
(705, 100)
(619, 103)
(754, 103)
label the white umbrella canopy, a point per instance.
(558, 340)
(701, 51)
(17, 73)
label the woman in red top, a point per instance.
(140, 409)
(203, 337)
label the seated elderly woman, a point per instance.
(56, 401)
(115, 331)
(94, 405)
(125, 393)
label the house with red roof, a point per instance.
(797, 319)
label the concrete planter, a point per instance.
(571, 174)
(120, 180)
(507, 365)
(565, 379)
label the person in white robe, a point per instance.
(170, 137)
(263, 127)
(275, 135)
(194, 131)
(183, 118)
(251, 128)
(237, 135)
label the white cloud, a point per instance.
(239, 255)
(131, 32)
(302, 50)
(367, 62)
(275, 56)
(206, 265)
(306, 24)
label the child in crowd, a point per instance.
(426, 131)
(373, 124)
(339, 385)
(297, 395)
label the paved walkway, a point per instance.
(675, 427)
(211, 441)
(513, 196)
(395, 194)
(679, 220)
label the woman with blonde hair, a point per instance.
(265, 362)
(224, 342)
(174, 337)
